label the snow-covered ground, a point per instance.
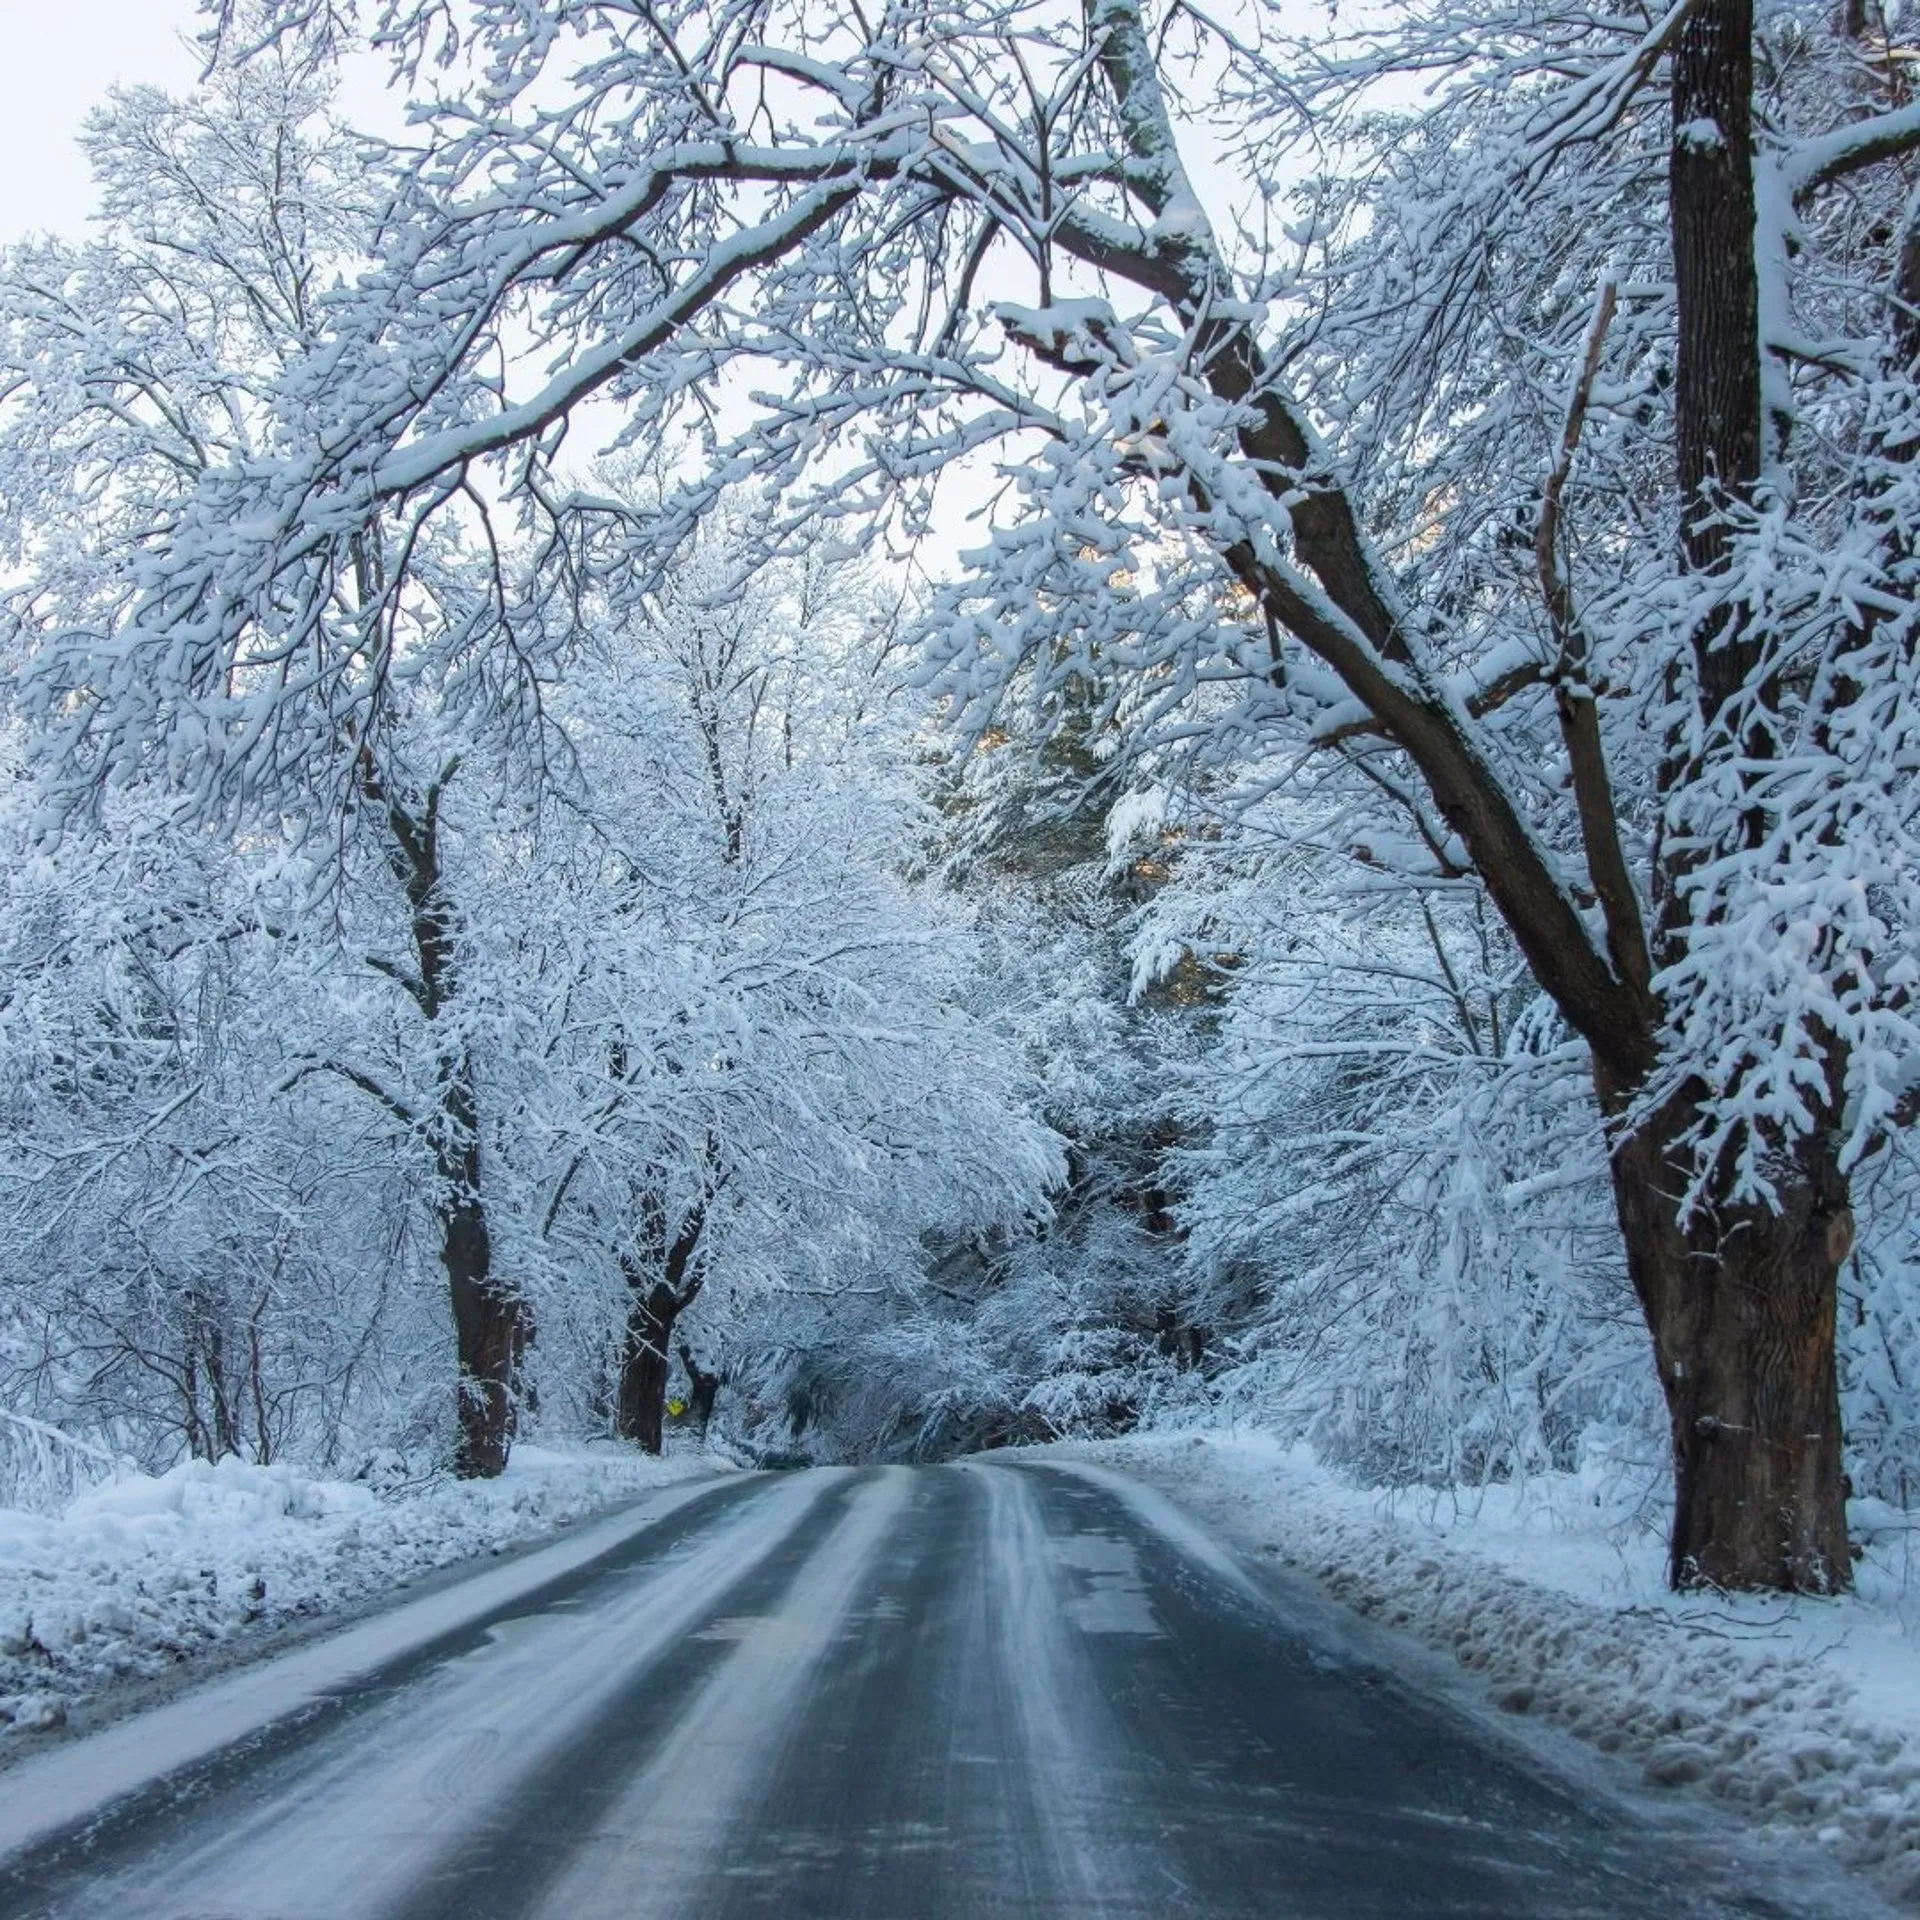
(1802, 1713)
(137, 1578)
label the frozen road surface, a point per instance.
(977, 1690)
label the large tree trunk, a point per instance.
(644, 1365)
(706, 1389)
(654, 1307)
(1741, 1303)
(491, 1328)
(1739, 1297)
(488, 1337)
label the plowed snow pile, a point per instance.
(138, 1577)
(1805, 1713)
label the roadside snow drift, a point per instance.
(1803, 1713)
(138, 1577)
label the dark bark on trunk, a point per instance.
(198, 1445)
(1717, 374)
(492, 1326)
(1741, 1302)
(226, 1439)
(644, 1365)
(1740, 1298)
(488, 1335)
(654, 1307)
(263, 1447)
(207, 1358)
(706, 1389)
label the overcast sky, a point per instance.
(61, 57)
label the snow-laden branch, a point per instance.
(1810, 164)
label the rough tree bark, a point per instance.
(642, 1410)
(491, 1325)
(487, 1321)
(1739, 1300)
(706, 1389)
(1741, 1303)
(663, 1280)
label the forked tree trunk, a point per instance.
(654, 1307)
(1741, 1304)
(644, 1366)
(1739, 1297)
(706, 1389)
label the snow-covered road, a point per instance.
(965, 1691)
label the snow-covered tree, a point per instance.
(1666, 726)
(190, 1262)
(610, 955)
(784, 1085)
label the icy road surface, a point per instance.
(957, 1691)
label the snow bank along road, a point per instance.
(977, 1690)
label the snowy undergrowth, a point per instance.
(137, 1577)
(1802, 1713)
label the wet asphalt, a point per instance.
(981, 1690)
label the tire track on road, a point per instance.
(657, 1851)
(336, 1820)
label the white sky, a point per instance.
(60, 59)
(61, 56)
